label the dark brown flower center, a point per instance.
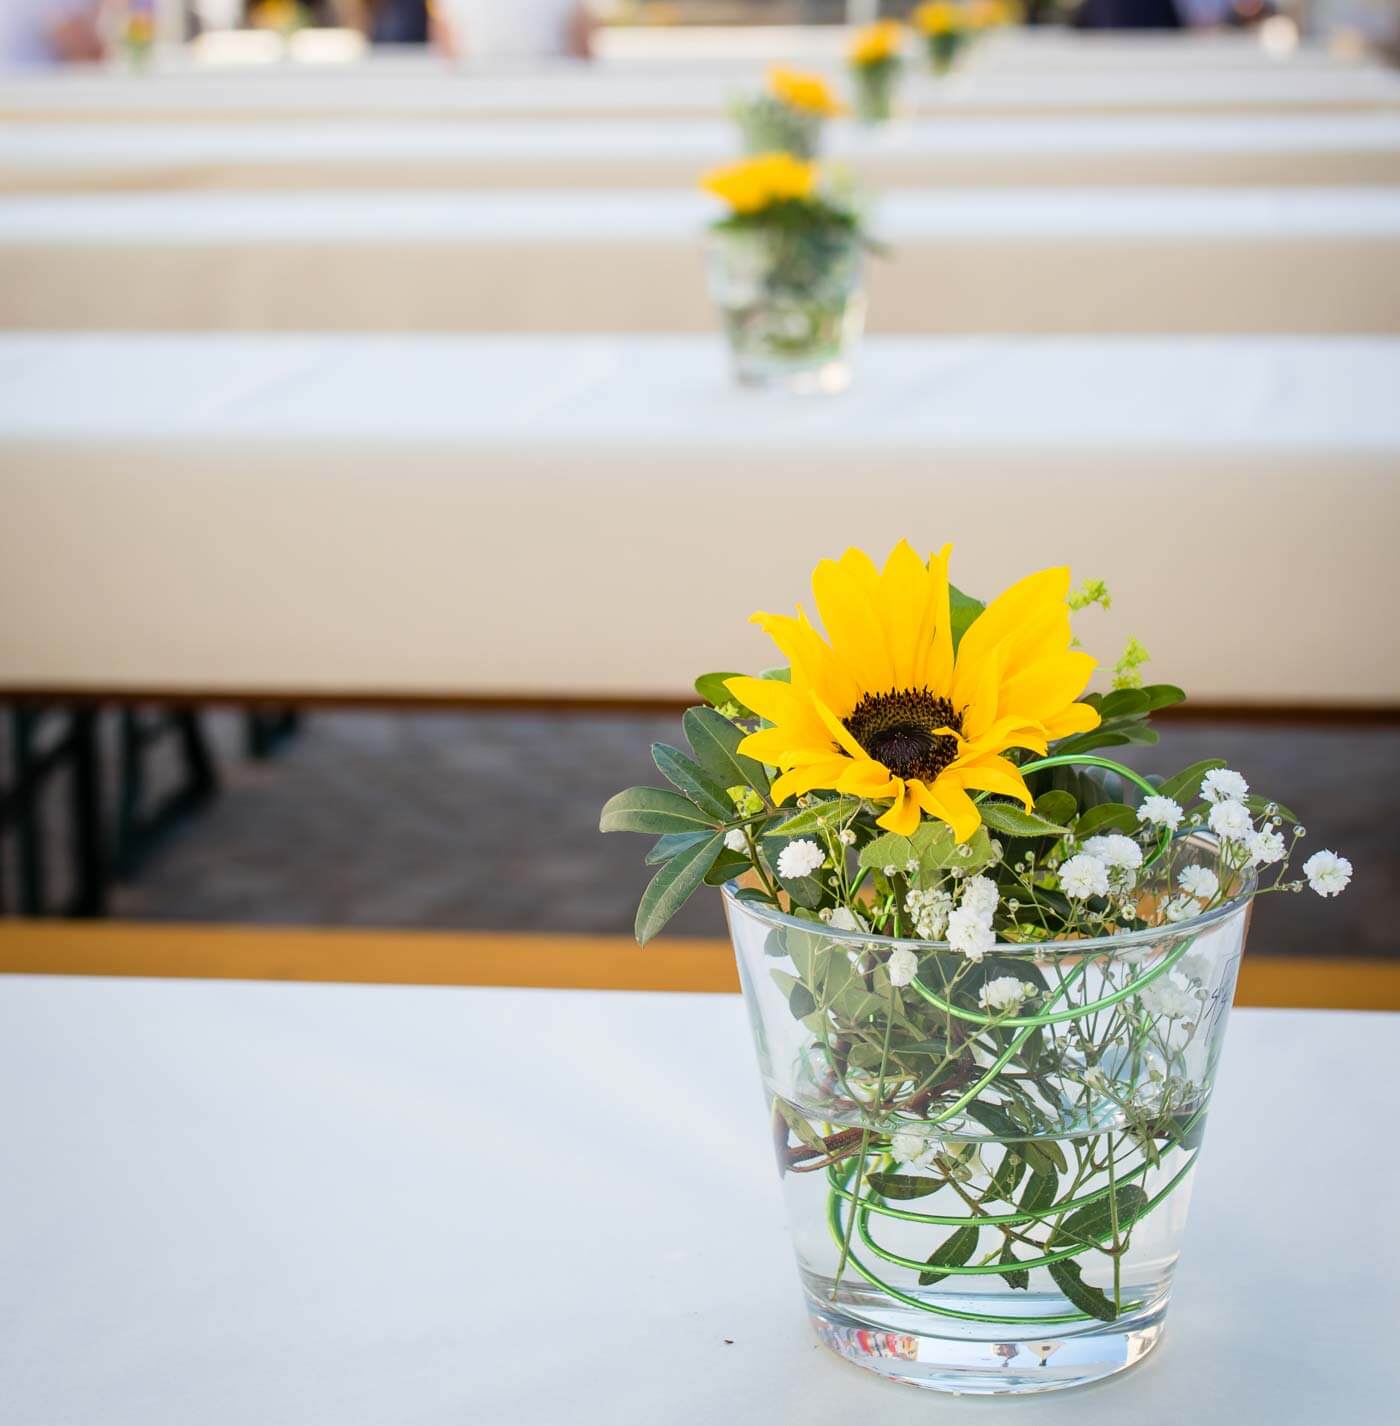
(898, 730)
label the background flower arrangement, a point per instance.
(785, 268)
(876, 62)
(789, 115)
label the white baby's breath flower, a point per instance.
(1160, 812)
(1220, 784)
(1265, 847)
(1195, 967)
(930, 912)
(1198, 881)
(1116, 851)
(911, 867)
(1004, 993)
(1327, 873)
(911, 1148)
(1167, 996)
(735, 840)
(846, 837)
(903, 966)
(1083, 876)
(890, 870)
(1181, 908)
(979, 895)
(800, 858)
(1230, 821)
(969, 934)
(844, 919)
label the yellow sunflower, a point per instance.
(808, 92)
(883, 709)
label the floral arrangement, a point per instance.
(875, 61)
(138, 30)
(788, 116)
(930, 778)
(987, 965)
(944, 26)
(785, 262)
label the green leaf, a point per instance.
(802, 1130)
(1185, 787)
(1094, 1222)
(1107, 817)
(726, 867)
(952, 1252)
(800, 999)
(903, 1185)
(1124, 703)
(1009, 1173)
(1016, 822)
(686, 774)
(820, 818)
(1016, 1277)
(1088, 1299)
(962, 609)
(710, 687)
(932, 845)
(1040, 1192)
(654, 810)
(672, 885)
(994, 1119)
(673, 842)
(1162, 695)
(1057, 806)
(715, 741)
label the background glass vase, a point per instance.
(988, 1200)
(767, 125)
(874, 86)
(792, 303)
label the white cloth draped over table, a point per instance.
(1320, 149)
(251, 1203)
(478, 515)
(1092, 260)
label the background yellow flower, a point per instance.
(876, 43)
(808, 92)
(939, 17)
(753, 184)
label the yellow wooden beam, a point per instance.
(201, 952)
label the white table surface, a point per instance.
(355, 1206)
(571, 90)
(354, 513)
(1297, 260)
(1320, 149)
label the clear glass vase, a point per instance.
(874, 86)
(988, 1201)
(767, 125)
(792, 304)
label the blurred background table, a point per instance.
(1293, 260)
(1320, 150)
(301, 1203)
(423, 87)
(362, 514)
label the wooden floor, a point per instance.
(557, 961)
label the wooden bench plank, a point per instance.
(565, 962)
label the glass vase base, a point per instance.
(821, 379)
(962, 1367)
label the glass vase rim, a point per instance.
(1127, 940)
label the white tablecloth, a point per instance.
(1322, 150)
(1062, 260)
(352, 1206)
(601, 515)
(576, 91)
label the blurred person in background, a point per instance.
(38, 32)
(514, 29)
(1128, 15)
